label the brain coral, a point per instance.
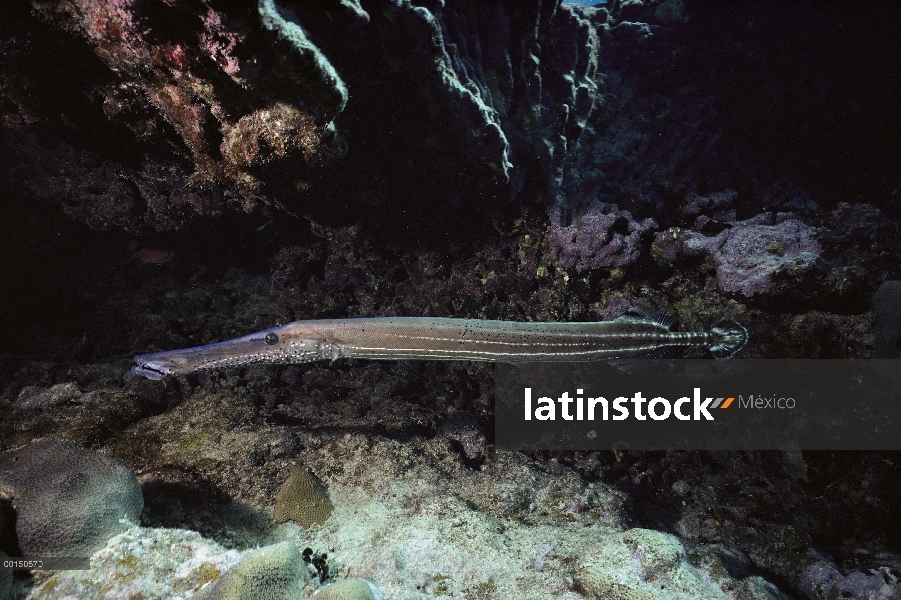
(69, 500)
(302, 498)
(349, 589)
(275, 572)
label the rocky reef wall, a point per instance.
(145, 114)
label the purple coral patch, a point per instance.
(748, 255)
(822, 580)
(599, 236)
(617, 307)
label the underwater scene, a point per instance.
(273, 272)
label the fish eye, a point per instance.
(271, 338)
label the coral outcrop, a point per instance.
(283, 21)
(349, 589)
(275, 572)
(200, 105)
(641, 564)
(646, 138)
(749, 254)
(143, 563)
(212, 107)
(302, 498)
(425, 140)
(36, 397)
(69, 500)
(822, 581)
(599, 236)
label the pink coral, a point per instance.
(175, 68)
(219, 42)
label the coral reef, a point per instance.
(143, 563)
(502, 88)
(230, 109)
(349, 589)
(749, 255)
(34, 396)
(641, 564)
(188, 84)
(292, 32)
(406, 448)
(599, 236)
(396, 157)
(274, 572)
(302, 498)
(822, 581)
(563, 103)
(69, 500)
(647, 138)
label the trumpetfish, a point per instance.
(638, 333)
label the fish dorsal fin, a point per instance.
(643, 313)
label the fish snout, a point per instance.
(161, 364)
(148, 370)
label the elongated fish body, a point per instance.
(404, 338)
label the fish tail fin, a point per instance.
(728, 338)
